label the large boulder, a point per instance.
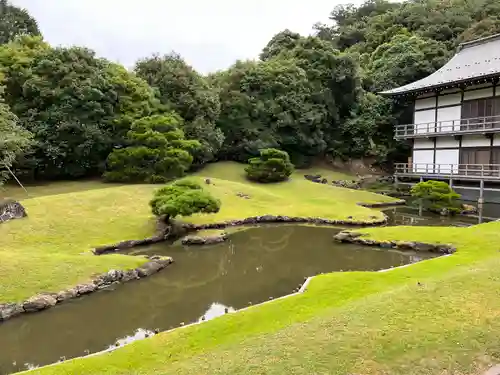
(10, 209)
(204, 240)
(40, 302)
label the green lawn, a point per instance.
(50, 250)
(440, 316)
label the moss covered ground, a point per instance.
(440, 316)
(51, 249)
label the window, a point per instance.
(477, 161)
(481, 111)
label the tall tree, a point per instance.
(186, 92)
(15, 21)
(404, 59)
(157, 152)
(335, 81)
(77, 106)
(14, 140)
(269, 104)
(285, 40)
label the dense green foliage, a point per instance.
(272, 166)
(13, 139)
(183, 198)
(186, 92)
(313, 97)
(15, 21)
(157, 152)
(437, 196)
(76, 105)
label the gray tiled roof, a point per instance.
(474, 60)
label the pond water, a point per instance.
(254, 265)
(412, 216)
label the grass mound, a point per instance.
(50, 249)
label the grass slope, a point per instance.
(50, 250)
(440, 316)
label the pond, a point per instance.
(252, 266)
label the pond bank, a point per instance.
(45, 301)
(253, 266)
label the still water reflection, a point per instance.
(203, 283)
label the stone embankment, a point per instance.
(356, 238)
(47, 300)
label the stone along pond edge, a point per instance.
(345, 237)
(45, 301)
(166, 233)
(356, 238)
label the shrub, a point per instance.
(184, 198)
(272, 166)
(437, 196)
(157, 153)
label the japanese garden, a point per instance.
(157, 220)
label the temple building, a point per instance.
(455, 133)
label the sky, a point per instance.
(210, 35)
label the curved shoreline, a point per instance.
(166, 234)
(44, 301)
(303, 289)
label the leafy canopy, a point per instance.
(14, 140)
(183, 198)
(157, 152)
(436, 196)
(272, 166)
(181, 89)
(77, 106)
(15, 21)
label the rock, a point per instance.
(40, 302)
(208, 240)
(343, 236)
(405, 245)
(420, 246)
(67, 295)
(150, 268)
(193, 240)
(108, 278)
(10, 310)
(468, 209)
(444, 212)
(242, 195)
(85, 288)
(207, 181)
(130, 275)
(313, 178)
(385, 245)
(10, 209)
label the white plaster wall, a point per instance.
(449, 99)
(450, 91)
(425, 103)
(446, 161)
(478, 94)
(475, 141)
(423, 160)
(423, 143)
(496, 140)
(487, 84)
(446, 142)
(449, 118)
(425, 121)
